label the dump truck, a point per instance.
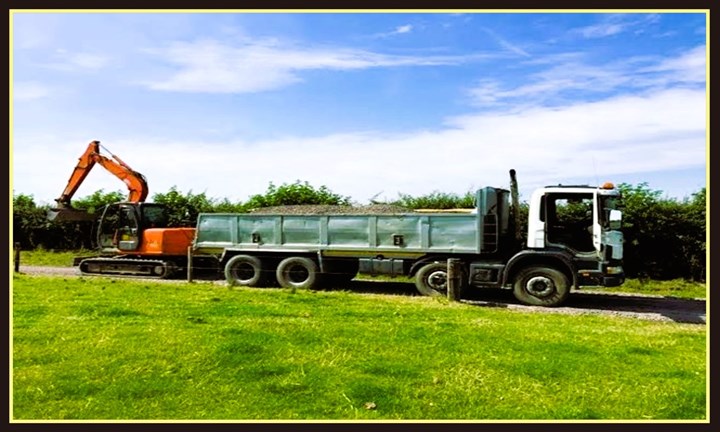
(573, 240)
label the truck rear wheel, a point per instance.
(541, 286)
(244, 270)
(431, 279)
(298, 272)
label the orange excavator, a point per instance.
(133, 236)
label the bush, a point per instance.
(295, 194)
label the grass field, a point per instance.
(87, 348)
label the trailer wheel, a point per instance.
(297, 272)
(431, 279)
(244, 270)
(541, 286)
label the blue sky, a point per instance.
(368, 104)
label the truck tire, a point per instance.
(541, 286)
(431, 279)
(298, 272)
(244, 270)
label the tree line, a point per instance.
(665, 238)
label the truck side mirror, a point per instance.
(615, 219)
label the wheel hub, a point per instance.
(437, 280)
(540, 286)
(244, 272)
(298, 274)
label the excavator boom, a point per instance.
(135, 182)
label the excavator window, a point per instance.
(119, 228)
(154, 216)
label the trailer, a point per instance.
(305, 251)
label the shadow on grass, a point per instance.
(679, 310)
(670, 308)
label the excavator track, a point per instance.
(147, 268)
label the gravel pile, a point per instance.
(333, 209)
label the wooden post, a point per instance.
(189, 265)
(17, 257)
(454, 279)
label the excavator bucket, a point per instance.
(68, 214)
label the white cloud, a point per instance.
(29, 90)
(568, 77)
(663, 130)
(515, 49)
(66, 61)
(214, 67)
(34, 30)
(688, 67)
(403, 29)
(613, 24)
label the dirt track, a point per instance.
(691, 311)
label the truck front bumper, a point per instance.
(611, 277)
(613, 281)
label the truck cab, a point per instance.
(584, 222)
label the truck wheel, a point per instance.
(297, 272)
(431, 279)
(244, 270)
(541, 286)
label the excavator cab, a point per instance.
(119, 228)
(121, 225)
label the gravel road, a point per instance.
(646, 307)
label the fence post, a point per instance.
(17, 257)
(454, 279)
(189, 264)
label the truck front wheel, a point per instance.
(431, 279)
(541, 286)
(297, 272)
(244, 270)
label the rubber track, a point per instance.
(125, 267)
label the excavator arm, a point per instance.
(135, 182)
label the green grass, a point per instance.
(96, 348)
(42, 257)
(671, 288)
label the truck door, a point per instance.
(569, 220)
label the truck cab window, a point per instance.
(569, 220)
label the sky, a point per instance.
(369, 104)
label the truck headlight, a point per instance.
(614, 270)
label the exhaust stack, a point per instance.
(515, 197)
